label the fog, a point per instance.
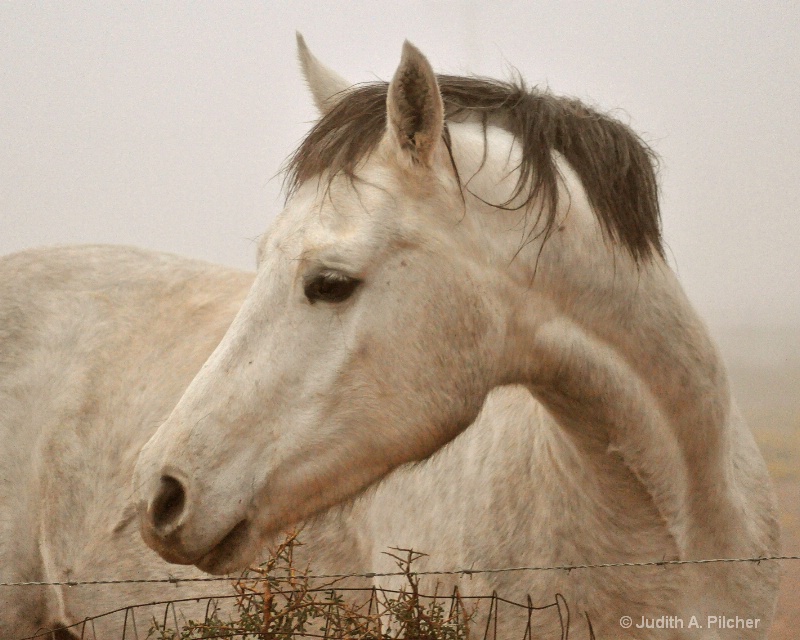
(165, 125)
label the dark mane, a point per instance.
(616, 167)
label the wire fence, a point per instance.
(277, 602)
(461, 614)
(390, 574)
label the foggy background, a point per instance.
(163, 125)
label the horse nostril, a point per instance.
(168, 505)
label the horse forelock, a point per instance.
(616, 167)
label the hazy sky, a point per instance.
(162, 124)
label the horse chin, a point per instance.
(233, 553)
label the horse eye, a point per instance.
(330, 286)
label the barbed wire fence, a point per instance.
(256, 597)
(390, 574)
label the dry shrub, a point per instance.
(277, 601)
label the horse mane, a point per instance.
(616, 167)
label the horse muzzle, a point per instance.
(174, 524)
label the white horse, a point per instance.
(445, 237)
(392, 300)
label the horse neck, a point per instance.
(615, 352)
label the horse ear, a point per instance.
(415, 111)
(326, 85)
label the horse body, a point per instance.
(94, 357)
